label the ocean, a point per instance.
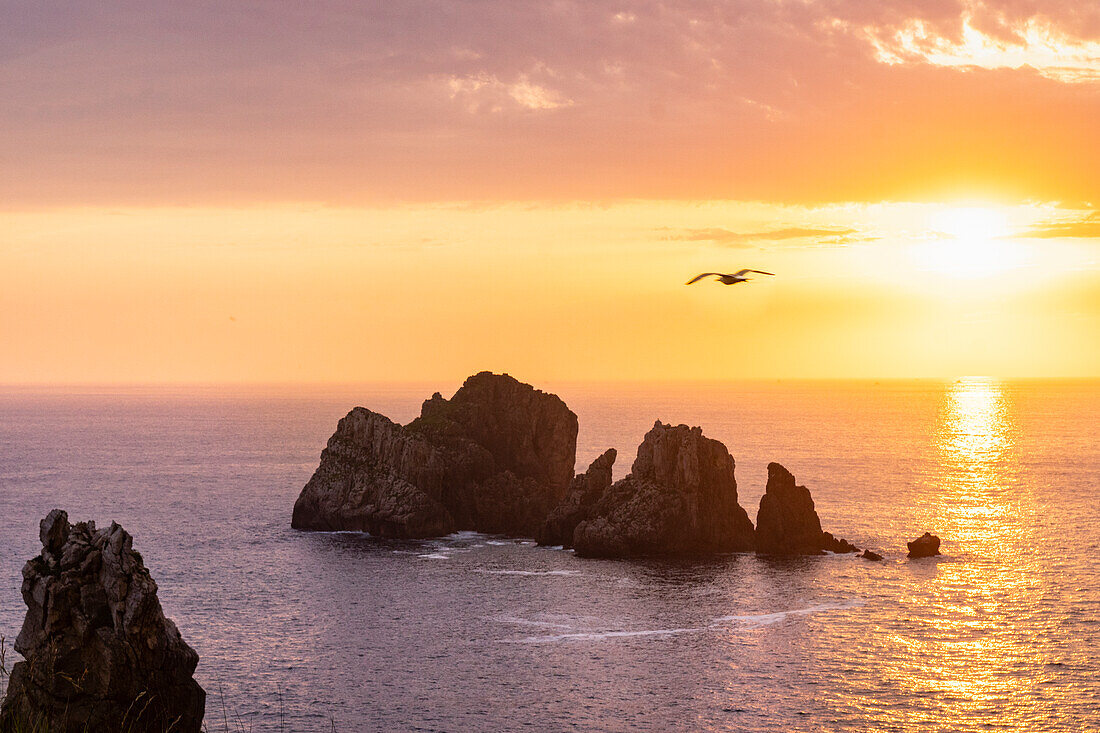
(314, 631)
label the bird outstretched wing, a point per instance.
(697, 278)
(739, 273)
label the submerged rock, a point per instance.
(585, 490)
(496, 457)
(99, 652)
(679, 499)
(787, 523)
(927, 545)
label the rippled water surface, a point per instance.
(472, 632)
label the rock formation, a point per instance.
(926, 545)
(871, 555)
(679, 499)
(100, 654)
(496, 457)
(585, 490)
(787, 523)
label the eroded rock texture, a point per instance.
(585, 490)
(679, 499)
(787, 523)
(99, 653)
(496, 457)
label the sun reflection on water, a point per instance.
(976, 502)
(966, 643)
(974, 425)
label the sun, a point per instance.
(968, 242)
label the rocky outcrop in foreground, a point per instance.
(679, 499)
(497, 457)
(787, 523)
(100, 654)
(927, 545)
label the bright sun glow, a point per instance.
(969, 242)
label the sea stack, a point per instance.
(100, 654)
(787, 522)
(496, 457)
(680, 499)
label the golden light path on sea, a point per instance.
(969, 651)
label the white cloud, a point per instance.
(488, 92)
(1035, 43)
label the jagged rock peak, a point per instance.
(496, 457)
(99, 652)
(584, 491)
(679, 499)
(787, 522)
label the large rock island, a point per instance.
(680, 499)
(100, 654)
(496, 457)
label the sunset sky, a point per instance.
(357, 191)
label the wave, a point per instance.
(528, 572)
(767, 619)
(530, 622)
(752, 620)
(600, 635)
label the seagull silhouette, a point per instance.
(737, 277)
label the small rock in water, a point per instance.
(926, 545)
(869, 555)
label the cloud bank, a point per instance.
(359, 102)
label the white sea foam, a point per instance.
(766, 619)
(496, 542)
(530, 622)
(528, 572)
(752, 620)
(601, 635)
(465, 534)
(435, 556)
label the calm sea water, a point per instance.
(301, 631)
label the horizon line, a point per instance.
(578, 381)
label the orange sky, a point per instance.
(371, 191)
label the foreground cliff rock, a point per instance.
(100, 654)
(497, 457)
(787, 522)
(680, 499)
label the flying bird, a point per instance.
(737, 277)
